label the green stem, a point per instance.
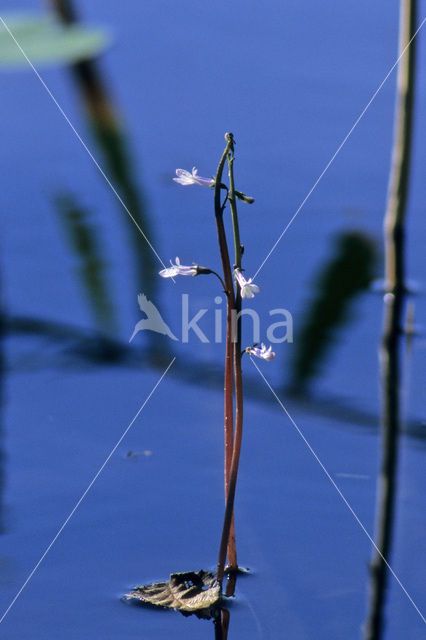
(233, 203)
(223, 246)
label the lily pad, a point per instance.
(46, 41)
(190, 592)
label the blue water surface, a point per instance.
(289, 80)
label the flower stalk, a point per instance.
(233, 379)
(229, 360)
(228, 543)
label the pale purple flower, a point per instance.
(261, 352)
(184, 178)
(178, 269)
(247, 288)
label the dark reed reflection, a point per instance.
(346, 274)
(85, 348)
(221, 625)
(108, 132)
(85, 242)
(222, 622)
(83, 238)
(2, 375)
(394, 299)
(110, 137)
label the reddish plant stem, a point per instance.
(228, 383)
(226, 539)
(229, 430)
(234, 467)
(235, 341)
(232, 551)
(232, 554)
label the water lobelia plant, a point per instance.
(200, 592)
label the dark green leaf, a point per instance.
(85, 242)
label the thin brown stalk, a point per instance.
(393, 319)
(229, 430)
(234, 468)
(232, 550)
(229, 377)
(225, 542)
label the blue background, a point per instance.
(289, 80)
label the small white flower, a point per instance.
(184, 178)
(247, 288)
(178, 269)
(261, 352)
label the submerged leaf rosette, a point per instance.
(191, 592)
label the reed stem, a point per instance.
(394, 236)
